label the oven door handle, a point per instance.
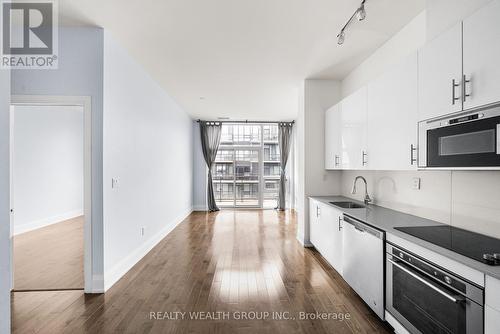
(424, 281)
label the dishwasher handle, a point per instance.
(362, 227)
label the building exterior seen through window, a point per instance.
(247, 168)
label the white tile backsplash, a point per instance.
(466, 199)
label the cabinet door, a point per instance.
(439, 63)
(392, 118)
(481, 45)
(314, 223)
(332, 137)
(491, 320)
(331, 236)
(353, 141)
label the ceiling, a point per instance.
(243, 59)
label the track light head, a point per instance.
(341, 38)
(361, 13)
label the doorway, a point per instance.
(50, 193)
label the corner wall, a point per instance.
(47, 164)
(5, 239)
(148, 150)
(80, 73)
(315, 98)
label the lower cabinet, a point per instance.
(325, 232)
(492, 306)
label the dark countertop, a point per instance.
(386, 220)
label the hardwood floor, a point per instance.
(230, 261)
(50, 257)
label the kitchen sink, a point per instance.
(348, 205)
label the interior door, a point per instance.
(353, 139)
(481, 48)
(440, 75)
(392, 118)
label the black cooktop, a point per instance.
(473, 245)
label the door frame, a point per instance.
(86, 103)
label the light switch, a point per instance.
(416, 183)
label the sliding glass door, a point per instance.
(247, 167)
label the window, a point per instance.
(247, 167)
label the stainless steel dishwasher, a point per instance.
(363, 262)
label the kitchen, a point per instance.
(414, 228)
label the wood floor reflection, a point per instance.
(245, 263)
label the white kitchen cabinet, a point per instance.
(331, 228)
(332, 137)
(492, 306)
(314, 223)
(491, 320)
(440, 75)
(353, 140)
(325, 232)
(392, 118)
(481, 52)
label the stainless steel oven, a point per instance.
(465, 140)
(425, 298)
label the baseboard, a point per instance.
(46, 222)
(307, 244)
(121, 268)
(97, 284)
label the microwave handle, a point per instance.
(417, 277)
(498, 138)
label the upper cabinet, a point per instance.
(353, 132)
(376, 127)
(392, 118)
(333, 146)
(440, 75)
(481, 52)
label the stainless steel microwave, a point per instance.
(465, 140)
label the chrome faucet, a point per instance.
(367, 199)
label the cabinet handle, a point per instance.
(464, 88)
(340, 224)
(363, 160)
(412, 159)
(336, 160)
(454, 84)
(318, 212)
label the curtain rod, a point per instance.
(246, 121)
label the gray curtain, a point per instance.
(210, 139)
(284, 138)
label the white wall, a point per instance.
(80, 73)
(200, 171)
(466, 199)
(405, 42)
(316, 97)
(47, 165)
(5, 239)
(148, 148)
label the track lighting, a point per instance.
(341, 38)
(360, 15)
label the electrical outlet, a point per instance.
(114, 183)
(416, 183)
(143, 231)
